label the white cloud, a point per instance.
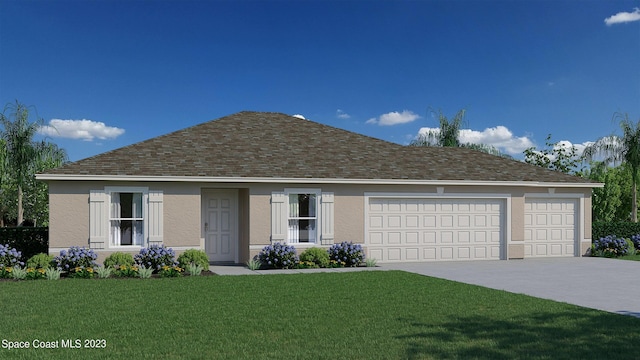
(299, 116)
(83, 129)
(499, 137)
(394, 118)
(623, 17)
(342, 115)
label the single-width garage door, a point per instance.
(423, 229)
(550, 227)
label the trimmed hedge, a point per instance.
(624, 229)
(28, 240)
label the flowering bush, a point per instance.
(82, 272)
(125, 270)
(77, 259)
(155, 257)
(9, 257)
(278, 256)
(347, 252)
(610, 246)
(171, 271)
(34, 274)
(636, 241)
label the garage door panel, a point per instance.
(376, 238)
(435, 229)
(550, 227)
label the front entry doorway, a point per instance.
(220, 222)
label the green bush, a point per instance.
(315, 255)
(40, 261)
(625, 229)
(28, 240)
(194, 256)
(119, 259)
(631, 248)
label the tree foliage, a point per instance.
(21, 157)
(613, 201)
(555, 156)
(621, 149)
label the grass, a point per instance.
(355, 315)
(631, 257)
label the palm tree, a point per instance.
(24, 156)
(448, 136)
(618, 149)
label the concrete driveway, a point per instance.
(598, 283)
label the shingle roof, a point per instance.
(274, 145)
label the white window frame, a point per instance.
(317, 218)
(110, 190)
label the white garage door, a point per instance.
(408, 229)
(550, 227)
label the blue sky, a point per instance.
(111, 73)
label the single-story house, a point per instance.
(236, 184)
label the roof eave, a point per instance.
(210, 179)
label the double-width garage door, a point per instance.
(428, 229)
(550, 227)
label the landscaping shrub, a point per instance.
(278, 256)
(623, 229)
(346, 252)
(40, 261)
(610, 246)
(194, 256)
(155, 257)
(635, 239)
(631, 248)
(119, 259)
(28, 240)
(36, 273)
(9, 257)
(315, 255)
(171, 271)
(77, 261)
(126, 270)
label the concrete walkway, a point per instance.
(604, 284)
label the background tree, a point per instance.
(448, 135)
(23, 158)
(555, 156)
(621, 149)
(613, 201)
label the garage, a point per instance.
(550, 227)
(435, 229)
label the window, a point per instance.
(126, 220)
(302, 218)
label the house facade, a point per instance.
(234, 185)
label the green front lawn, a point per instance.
(631, 257)
(356, 315)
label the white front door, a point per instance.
(220, 217)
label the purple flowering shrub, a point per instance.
(278, 256)
(346, 253)
(610, 246)
(76, 259)
(635, 239)
(156, 257)
(9, 258)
